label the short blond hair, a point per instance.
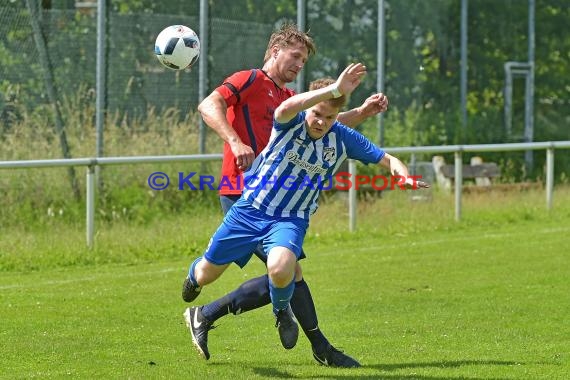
(324, 82)
(287, 35)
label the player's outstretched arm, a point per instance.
(347, 81)
(398, 169)
(372, 106)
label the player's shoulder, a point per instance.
(340, 129)
(242, 75)
(347, 134)
(241, 81)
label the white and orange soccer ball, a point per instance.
(177, 47)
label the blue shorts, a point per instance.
(244, 227)
(227, 201)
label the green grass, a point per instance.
(412, 295)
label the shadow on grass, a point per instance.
(278, 374)
(441, 364)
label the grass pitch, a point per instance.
(411, 295)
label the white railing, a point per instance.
(92, 163)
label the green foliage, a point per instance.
(41, 197)
(422, 67)
(148, 108)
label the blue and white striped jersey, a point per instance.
(289, 174)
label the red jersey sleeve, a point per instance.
(235, 87)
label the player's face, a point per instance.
(320, 119)
(290, 60)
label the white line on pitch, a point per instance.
(494, 235)
(82, 279)
(384, 247)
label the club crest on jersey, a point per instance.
(329, 154)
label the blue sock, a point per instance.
(191, 271)
(280, 297)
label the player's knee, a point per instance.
(281, 263)
(280, 275)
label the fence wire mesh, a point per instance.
(147, 102)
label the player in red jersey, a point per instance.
(240, 111)
(251, 96)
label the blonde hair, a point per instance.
(287, 35)
(324, 82)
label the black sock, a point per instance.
(304, 310)
(250, 295)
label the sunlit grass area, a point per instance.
(412, 294)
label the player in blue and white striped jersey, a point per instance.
(282, 187)
(286, 178)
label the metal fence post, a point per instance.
(101, 77)
(549, 177)
(203, 68)
(352, 196)
(381, 55)
(458, 184)
(463, 83)
(90, 205)
(301, 24)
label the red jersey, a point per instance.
(251, 97)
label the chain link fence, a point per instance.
(150, 110)
(422, 64)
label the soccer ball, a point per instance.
(177, 47)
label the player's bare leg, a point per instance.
(201, 273)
